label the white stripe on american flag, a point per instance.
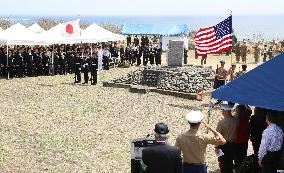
(215, 47)
(206, 41)
(215, 51)
(210, 34)
(204, 32)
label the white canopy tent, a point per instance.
(55, 36)
(35, 35)
(2, 36)
(17, 34)
(35, 28)
(95, 33)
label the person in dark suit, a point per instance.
(136, 41)
(94, 69)
(161, 157)
(146, 54)
(152, 55)
(128, 40)
(158, 55)
(78, 64)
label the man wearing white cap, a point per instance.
(227, 127)
(193, 143)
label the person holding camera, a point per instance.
(161, 157)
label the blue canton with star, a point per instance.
(223, 28)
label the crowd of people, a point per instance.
(29, 61)
(266, 51)
(230, 138)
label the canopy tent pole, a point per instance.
(7, 67)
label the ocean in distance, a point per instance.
(245, 27)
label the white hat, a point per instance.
(226, 107)
(194, 116)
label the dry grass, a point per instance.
(48, 124)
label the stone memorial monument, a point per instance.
(175, 53)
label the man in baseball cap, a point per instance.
(161, 157)
(193, 143)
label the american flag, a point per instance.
(215, 39)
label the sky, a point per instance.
(140, 7)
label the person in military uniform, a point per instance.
(158, 55)
(29, 62)
(220, 78)
(185, 56)
(94, 69)
(121, 54)
(18, 63)
(256, 53)
(128, 40)
(146, 54)
(62, 62)
(243, 71)
(86, 61)
(69, 59)
(244, 50)
(221, 75)
(56, 64)
(2, 62)
(238, 51)
(161, 157)
(232, 72)
(106, 57)
(115, 51)
(136, 41)
(193, 143)
(143, 41)
(270, 52)
(45, 63)
(152, 55)
(78, 65)
(203, 59)
(132, 54)
(11, 67)
(227, 127)
(136, 53)
(265, 52)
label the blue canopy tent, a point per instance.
(262, 87)
(155, 29)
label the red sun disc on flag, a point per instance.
(69, 28)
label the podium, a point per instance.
(137, 146)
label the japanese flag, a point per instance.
(71, 28)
